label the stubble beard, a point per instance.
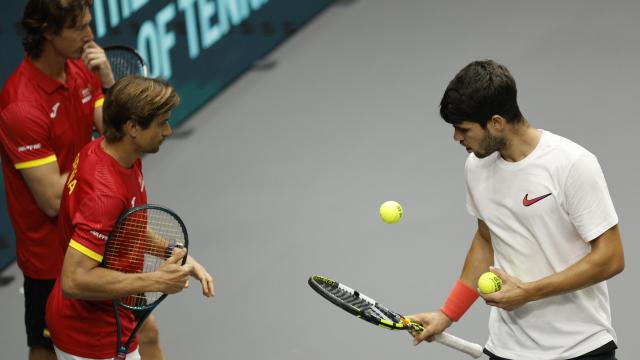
(489, 145)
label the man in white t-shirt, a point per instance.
(546, 226)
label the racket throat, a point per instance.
(121, 351)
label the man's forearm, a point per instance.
(605, 260)
(479, 258)
(104, 284)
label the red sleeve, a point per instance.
(89, 78)
(24, 132)
(93, 221)
(93, 81)
(97, 94)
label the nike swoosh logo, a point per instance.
(529, 202)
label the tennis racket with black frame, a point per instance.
(366, 308)
(140, 242)
(125, 61)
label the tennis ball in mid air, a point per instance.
(390, 212)
(489, 283)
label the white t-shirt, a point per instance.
(542, 211)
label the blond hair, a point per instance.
(137, 99)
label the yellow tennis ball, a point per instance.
(489, 283)
(390, 212)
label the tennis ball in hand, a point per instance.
(489, 283)
(390, 212)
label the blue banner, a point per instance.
(200, 46)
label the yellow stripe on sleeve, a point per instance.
(34, 163)
(99, 102)
(85, 250)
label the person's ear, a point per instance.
(497, 123)
(131, 128)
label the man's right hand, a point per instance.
(173, 277)
(96, 60)
(433, 322)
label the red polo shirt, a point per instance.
(42, 121)
(98, 190)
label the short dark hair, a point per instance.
(41, 16)
(138, 99)
(479, 91)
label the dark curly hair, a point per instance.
(41, 16)
(479, 91)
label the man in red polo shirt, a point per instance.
(48, 108)
(79, 311)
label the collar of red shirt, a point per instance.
(47, 84)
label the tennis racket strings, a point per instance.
(140, 243)
(357, 300)
(368, 308)
(125, 61)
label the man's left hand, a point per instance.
(200, 273)
(513, 294)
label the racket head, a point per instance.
(125, 61)
(132, 247)
(360, 305)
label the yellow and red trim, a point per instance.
(85, 250)
(37, 162)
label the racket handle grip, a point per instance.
(454, 342)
